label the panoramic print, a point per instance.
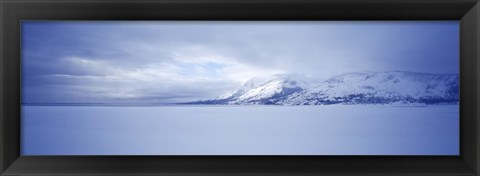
(240, 88)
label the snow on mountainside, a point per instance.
(263, 90)
(352, 88)
(381, 88)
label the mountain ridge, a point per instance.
(349, 88)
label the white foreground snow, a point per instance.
(241, 130)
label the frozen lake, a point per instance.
(241, 130)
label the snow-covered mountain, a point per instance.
(262, 90)
(351, 88)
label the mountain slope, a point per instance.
(382, 88)
(352, 88)
(260, 91)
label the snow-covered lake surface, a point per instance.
(241, 130)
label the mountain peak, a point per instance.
(263, 90)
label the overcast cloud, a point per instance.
(165, 62)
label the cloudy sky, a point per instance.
(165, 62)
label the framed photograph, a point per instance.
(240, 87)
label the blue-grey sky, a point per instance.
(164, 62)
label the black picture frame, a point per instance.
(13, 11)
